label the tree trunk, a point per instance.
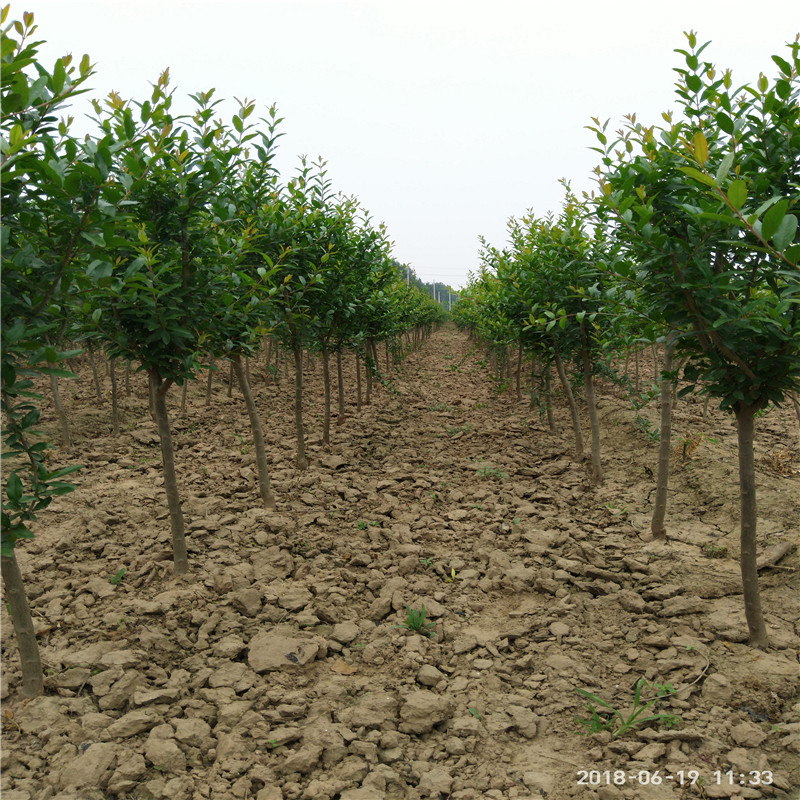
(209, 381)
(326, 388)
(358, 383)
(302, 462)
(20, 613)
(573, 406)
(636, 370)
(258, 434)
(267, 355)
(548, 399)
(97, 389)
(158, 391)
(63, 423)
(532, 379)
(747, 504)
(368, 371)
(796, 405)
(375, 362)
(230, 378)
(656, 368)
(340, 387)
(114, 404)
(588, 384)
(519, 373)
(665, 440)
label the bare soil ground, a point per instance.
(277, 670)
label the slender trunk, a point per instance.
(209, 381)
(376, 364)
(63, 423)
(20, 613)
(230, 378)
(267, 356)
(247, 370)
(112, 373)
(519, 372)
(548, 399)
(326, 387)
(158, 391)
(747, 504)
(660, 508)
(588, 384)
(93, 363)
(151, 402)
(302, 462)
(340, 387)
(258, 434)
(796, 405)
(358, 383)
(532, 379)
(573, 406)
(656, 368)
(368, 371)
(636, 370)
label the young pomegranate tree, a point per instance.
(154, 298)
(705, 207)
(56, 205)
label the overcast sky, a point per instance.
(444, 117)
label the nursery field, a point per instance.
(283, 666)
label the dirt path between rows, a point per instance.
(279, 670)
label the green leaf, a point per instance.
(14, 488)
(773, 218)
(725, 122)
(700, 147)
(737, 193)
(792, 254)
(784, 65)
(785, 233)
(723, 169)
(698, 176)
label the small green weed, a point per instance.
(415, 621)
(714, 551)
(474, 712)
(426, 562)
(652, 433)
(613, 720)
(491, 472)
(456, 429)
(116, 579)
(441, 407)
(375, 523)
(614, 509)
(361, 525)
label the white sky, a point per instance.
(445, 117)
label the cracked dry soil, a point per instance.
(277, 670)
